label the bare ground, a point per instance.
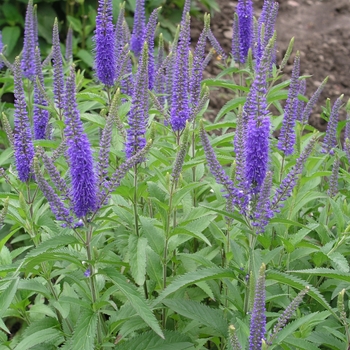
(322, 35)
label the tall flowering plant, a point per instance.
(130, 220)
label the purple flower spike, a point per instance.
(120, 41)
(105, 49)
(138, 31)
(258, 319)
(263, 213)
(330, 140)
(197, 66)
(138, 114)
(180, 109)
(245, 23)
(286, 187)
(56, 204)
(333, 181)
(266, 26)
(233, 195)
(23, 143)
(185, 10)
(235, 50)
(149, 37)
(28, 53)
(40, 115)
(84, 182)
(127, 80)
(35, 26)
(69, 45)
(301, 104)
(286, 139)
(160, 83)
(287, 314)
(258, 130)
(308, 108)
(58, 79)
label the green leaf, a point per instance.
(229, 106)
(35, 285)
(135, 299)
(85, 331)
(155, 236)
(290, 328)
(7, 296)
(340, 262)
(154, 267)
(86, 57)
(306, 198)
(52, 243)
(40, 337)
(213, 318)
(191, 278)
(324, 272)
(300, 343)
(148, 341)
(75, 24)
(339, 214)
(10, 36)
(300, 285)
(326, 340)
(178, 195)
(225, 84)
(137, 258)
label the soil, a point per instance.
(322, 35)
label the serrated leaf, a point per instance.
(291, 327)
(324, 339)
(183, 231)
(52, 243)
(299, 284)
(34, 285)
(337, 211)
(85, 331)
(340, 262)
(300, 343)
(137, 258)
(7, 296)
(212, 318)
(154, 267)
(324, 272)
(179, 194)
(135, 299)
(40, 337)
(148, 341)
(154, 235)
(191, 278)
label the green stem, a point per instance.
(92, 280)
(248, 294)
(136, 222)
(165, 253)
(282, 166)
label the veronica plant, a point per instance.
(128, 223)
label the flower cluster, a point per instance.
(242, 37)
(23, 139)
(83, 178)
(28, 53)
(105, 58)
